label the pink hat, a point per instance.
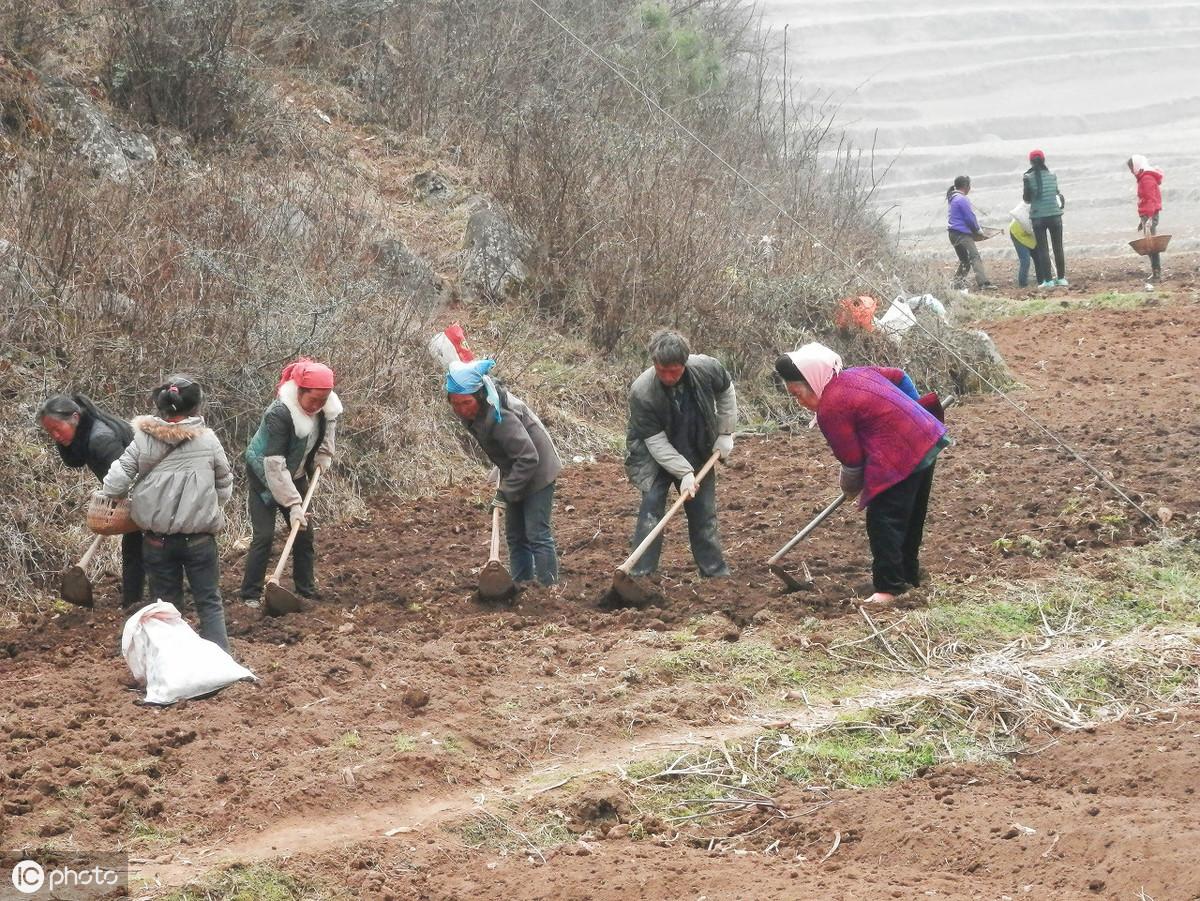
(307, 373)
(1036, 155)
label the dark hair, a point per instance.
(786, 370)
(177, 396)
(63, 407)
(57, 406)
(669, 348)
(962, 181)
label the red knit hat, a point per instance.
(1036, 155)
(307, 373)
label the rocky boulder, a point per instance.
(496, 252)
(113, 152)
(410, 275)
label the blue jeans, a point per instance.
(531, 547)
(703, 533)
(168, 557)
(1024, 258)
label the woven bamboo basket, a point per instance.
(1151, 244)
(109, 515)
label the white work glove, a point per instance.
(323, 462)
(296, 515)
(494, 477)
(723, 446)
(687, 485)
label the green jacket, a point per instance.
(1047, 201)
(279, 436)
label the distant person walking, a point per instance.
(1020, 229)
(1046, 204)
(1149, 204)
(963, 229)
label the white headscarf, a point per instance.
(818, 364)
(1140, 163)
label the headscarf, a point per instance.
(1035, 155)
(1140, 163)
(818, 364)
(306, 373)
(467, 378)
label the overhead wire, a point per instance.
(846, 264)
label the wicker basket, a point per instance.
(109, 515)
(1151, 244)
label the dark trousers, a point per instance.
(1024, 258)
(703, 534)
(168, 558)
(895, 526)
(1155, 258)
(1048, 230)
(968, 259)
(262, 521)
(133, 572)
(531, 548)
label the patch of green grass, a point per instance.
(509, 832)
(349, 741)
(404, 744)
(147, 836)
(452, 745)
(977, 307)
(252, 883)
(857, 756)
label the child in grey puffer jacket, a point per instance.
(179, 478)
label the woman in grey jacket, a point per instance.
(178, 478)
(515, 440)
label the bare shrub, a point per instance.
(174, 63)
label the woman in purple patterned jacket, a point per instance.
(886, 439)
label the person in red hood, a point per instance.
(1149, 201)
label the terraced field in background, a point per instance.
(945, 88)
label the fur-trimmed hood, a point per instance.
(302, 423)
(170, 432)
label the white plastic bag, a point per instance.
(172, 661)
(897, 320)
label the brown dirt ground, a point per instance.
(399, 650)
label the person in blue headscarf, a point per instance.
(514, 439)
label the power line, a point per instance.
(846, 264)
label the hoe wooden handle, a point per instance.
(90, 552)
(287, 548)
(662, 523)
(494, 553)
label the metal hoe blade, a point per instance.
(792, 583)
(279, 601)
(76, 588)
(626, 590)
(495, 584)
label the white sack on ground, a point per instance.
(174, 663)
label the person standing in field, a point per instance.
(1020, 229)
(515, 440)
(178, 479)
(1046, 205)
(682, 410)
(1149, 204)
(86, 435)
(963, 228)
(295, 438)
(887, 438)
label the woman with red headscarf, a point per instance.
(294, 439)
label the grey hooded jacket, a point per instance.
(178, 491)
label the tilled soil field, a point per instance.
(399, 699)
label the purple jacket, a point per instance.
(869, 422)
(962, 215)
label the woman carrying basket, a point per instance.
(86, 435)
(1149, 204)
